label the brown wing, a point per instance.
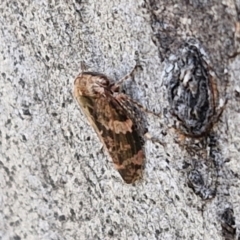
(118, 133)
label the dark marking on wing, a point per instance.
(118, 133)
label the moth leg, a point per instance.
(148, 136)
(142, 108)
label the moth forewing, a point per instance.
(112, 122)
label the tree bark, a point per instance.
(57, 182)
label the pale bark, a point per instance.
(56, 180)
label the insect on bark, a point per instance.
(109, 112)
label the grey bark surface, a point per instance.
(57, 182)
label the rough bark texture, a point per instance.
(57, 182)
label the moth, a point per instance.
(110, 113)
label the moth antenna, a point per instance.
(120, 82)
(83, 67)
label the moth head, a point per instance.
(90, 84)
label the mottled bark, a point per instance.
(57, 182)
